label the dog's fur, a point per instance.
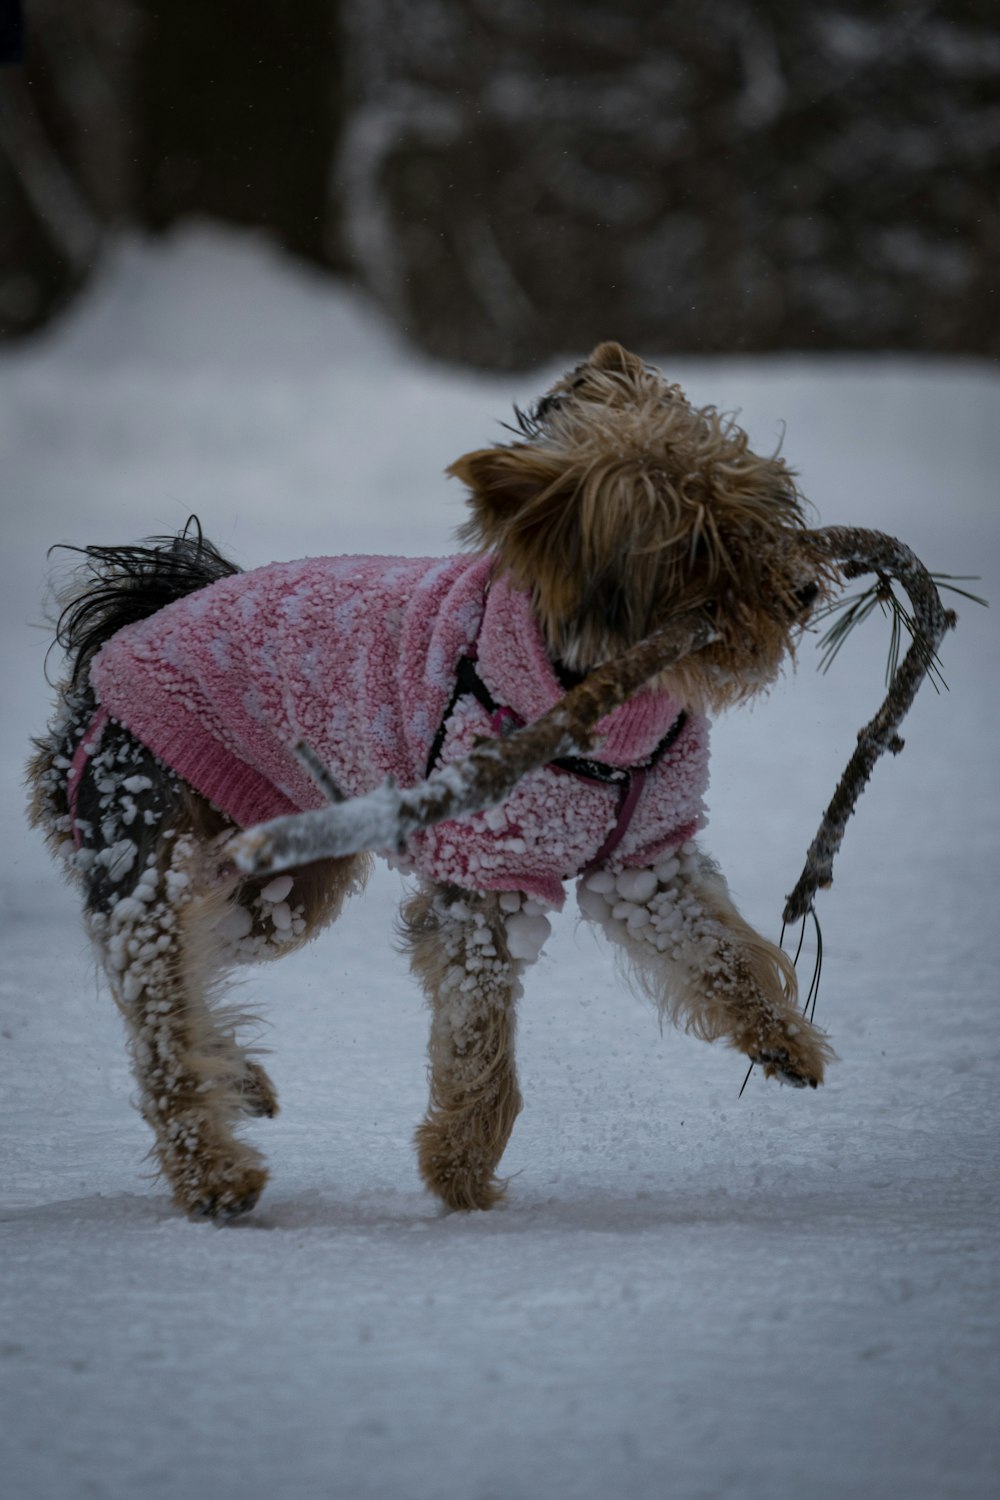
(619, 506)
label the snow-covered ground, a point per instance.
(686, 1295)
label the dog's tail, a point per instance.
(116, 586)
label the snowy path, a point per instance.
(686, 1296)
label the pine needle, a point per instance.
(854, 609)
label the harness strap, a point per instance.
(467, 680)
(628, 801)
(504, 720)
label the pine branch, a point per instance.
(387, 817)
(858, 551)
(856, 608)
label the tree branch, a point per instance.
(859, 551)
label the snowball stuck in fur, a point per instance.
(526, 935)
(636, 885)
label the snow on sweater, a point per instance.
(357, 656)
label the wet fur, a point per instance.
(619, 506)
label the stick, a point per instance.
(859, 551)
(388, 816)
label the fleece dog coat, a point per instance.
(358, 656)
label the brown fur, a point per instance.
(474, 1095)
(621, 507)
(626, 507)
(723, 980)
(166, 963)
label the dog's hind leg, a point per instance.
(706, 968)
(140, 843)
(461, 952)
(163, 961)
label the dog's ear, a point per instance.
(502, 482)
(616, 360)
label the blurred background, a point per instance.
(515, 178)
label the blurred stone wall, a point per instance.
(513, 178)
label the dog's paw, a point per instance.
(214, 1177)
(258, 1096)
(228, 1201)
(778, 1064)
(457, 1171)
(795, 1053)
(786, 1046)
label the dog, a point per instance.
(617, 507)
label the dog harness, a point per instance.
(629, 780)
(386, 666)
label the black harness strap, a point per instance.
(467, 680)
(469, 683)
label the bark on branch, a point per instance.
(388, 816)
(857, 551)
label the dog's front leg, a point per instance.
(707, 969)
(468, 961)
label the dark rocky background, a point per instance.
(515, 178)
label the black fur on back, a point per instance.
(116, 586)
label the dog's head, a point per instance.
(621, 506)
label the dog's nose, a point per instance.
(806, 595)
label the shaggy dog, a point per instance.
(617, 508)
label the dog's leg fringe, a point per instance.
(459, 951)
(688, 948)
(160, 954)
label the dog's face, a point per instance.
(621, 506)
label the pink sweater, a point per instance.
(357, 656)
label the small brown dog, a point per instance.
(616, 508)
